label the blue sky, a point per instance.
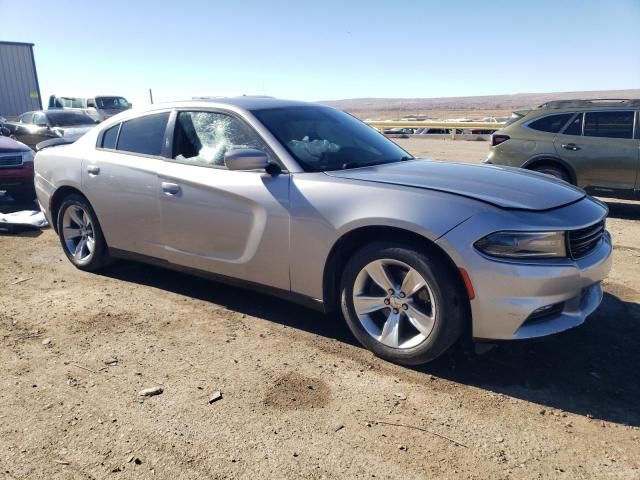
(327, 49)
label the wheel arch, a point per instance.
(540, 160)
(355, 239)
(58, 197)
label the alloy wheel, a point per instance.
(78, 234)
(394, 303)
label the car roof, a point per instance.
(244, 102)
(591, 103)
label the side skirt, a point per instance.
(309, 302)
(622, 194)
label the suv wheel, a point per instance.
(553, 171)
(80, 234)
(402, 304)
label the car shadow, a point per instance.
(591, 370)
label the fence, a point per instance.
(452, 126)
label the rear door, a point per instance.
(120, 179)
(601, 148)
(233, 223)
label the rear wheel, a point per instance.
(404, 305)
(80, 234)
(553, 171)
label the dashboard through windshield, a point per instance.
(323, 139)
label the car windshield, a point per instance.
(69, 119)
(323, 139)
(71, 102)
(111, 103)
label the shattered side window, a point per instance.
(204, 137)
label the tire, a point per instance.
(77, 216)
(439, 308)
(553, 171)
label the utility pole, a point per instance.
(151, 96)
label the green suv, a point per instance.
(594, 144)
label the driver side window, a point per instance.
(39, 119)
(26, 117)
(203, 138)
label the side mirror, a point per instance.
(42, 125)
(246, 159)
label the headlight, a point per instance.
(27, 156)
(524, 244)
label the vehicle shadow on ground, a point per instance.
(591, 370)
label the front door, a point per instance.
(120, 179)
(601, 148)
(233, 223)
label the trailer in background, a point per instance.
(19, 88)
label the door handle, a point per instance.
(571, 146)
(93, 170)
(171, 188)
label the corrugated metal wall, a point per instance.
(19, 89)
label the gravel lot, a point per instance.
(299, 398)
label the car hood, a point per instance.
(504, 187)
(9, 145)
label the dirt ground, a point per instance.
(299, 398)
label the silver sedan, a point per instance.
(306, 202)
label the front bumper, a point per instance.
(510, 295)
(16, 177)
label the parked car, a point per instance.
(16, 168)
(32, 128)
(307, 202)
(99, 108)
(399, 132)
(4, 131)
(588, 143)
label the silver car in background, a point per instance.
(306, 202)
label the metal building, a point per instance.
(19, 88)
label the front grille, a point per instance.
(583, 241)
(12, 160)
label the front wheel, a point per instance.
(80, 234)
(404, 305)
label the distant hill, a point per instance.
(453, 107)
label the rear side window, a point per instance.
(143, 135)
(109, 137)
(575, 127)
(608, 124)
(551, 123)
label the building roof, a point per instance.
(3, 42)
